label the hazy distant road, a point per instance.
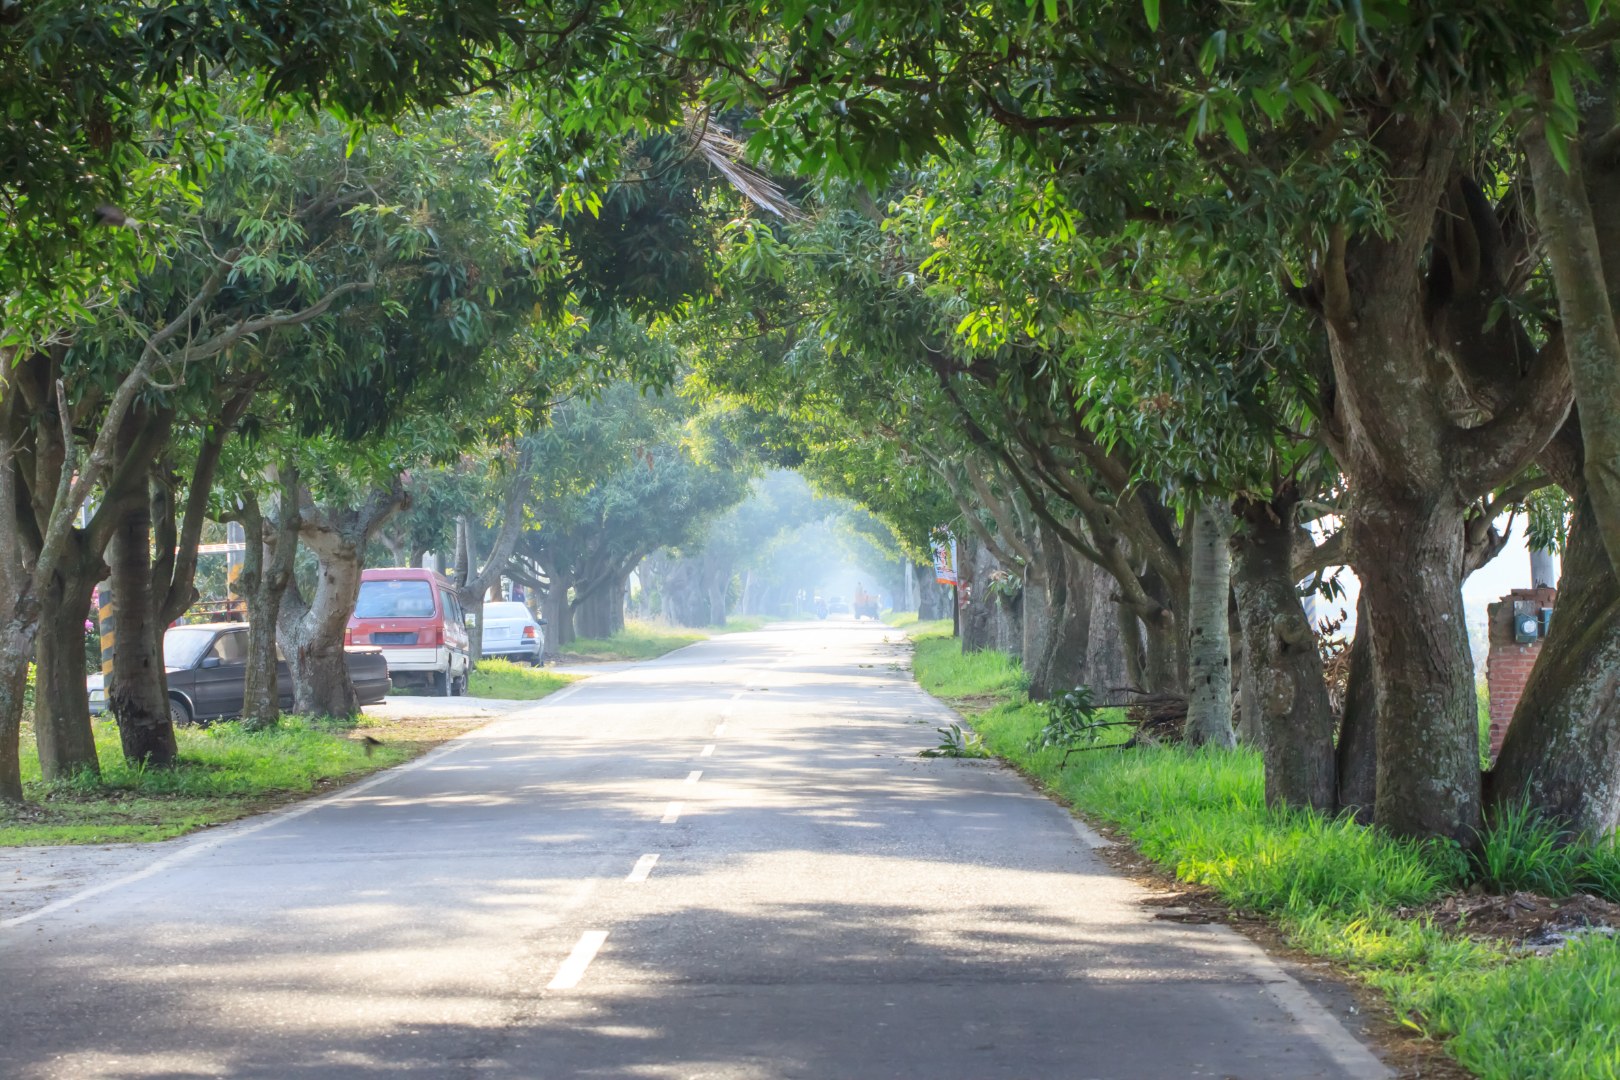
(726, 863)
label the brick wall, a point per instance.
(1507, 666)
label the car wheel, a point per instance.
(179, 712)
(458, 686)
(439, 683)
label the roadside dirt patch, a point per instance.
(1525, 920)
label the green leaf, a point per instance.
(1234, 131)
(1150, 8)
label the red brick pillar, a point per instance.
(1507, 666)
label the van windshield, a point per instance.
(394, 600)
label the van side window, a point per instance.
(452, 607)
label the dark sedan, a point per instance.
(207, 668)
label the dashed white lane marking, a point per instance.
(573, 968)
(707, 751)
(720, 728)
(694, 776)
(672, 814)
(643, 867)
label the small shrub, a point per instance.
(954, 742)
(1071, 723)
(1600, 869)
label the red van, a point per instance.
(414, 617)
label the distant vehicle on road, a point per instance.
(512, 633)
(866, 604)
(838, 606)
(821, 608)
(207, 673)
(414, 617)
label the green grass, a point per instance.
(1335, 888)
(514, 682)
(645, 640)
(224, 773)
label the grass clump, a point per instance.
(637, 641)
(1336, 888)
(514, 682)
(224, 772)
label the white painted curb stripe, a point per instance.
(1088, 836)
(573, 968)
(1314, 1021)
(643, 867)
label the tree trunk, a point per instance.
(1209, 644)
(19, 617)
(312, 630)
(554, 605)
(13, 688)
(67, 743)
(934, 601)
(1358, 728)
(312, 637)
(265, 577)
(1564, 213)
(1068, 645)
(1409, 556)
(138, 690)
(1562, 749)
(599, 613)
(1295, 719)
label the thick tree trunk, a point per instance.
(13, 687)
(1279, 648)
(1570, 233)
(554, 606)
(1072, 654)
(19, 618)
(267, 570)
(1562, 750)
(312, 630)
(1409, 556)
(1209, 644)
(1039, 618)
(312, 638)
(138, 691)
(600, 613)
(1358, 728)
(67, 744)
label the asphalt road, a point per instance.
(727, 863)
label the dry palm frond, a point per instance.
(725, 155)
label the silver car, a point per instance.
(511, 633)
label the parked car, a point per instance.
(838, 606)
(414, 617)
(512, 633)
(207, 670)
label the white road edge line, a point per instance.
(672, 814)
(1317, 1023)
(573, 968)
(694, 776)
(1089, 836)
(643, 867)
(707, 751)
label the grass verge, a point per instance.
(646, 640)
(224, 773)
(1332, 887)
(514, 682)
